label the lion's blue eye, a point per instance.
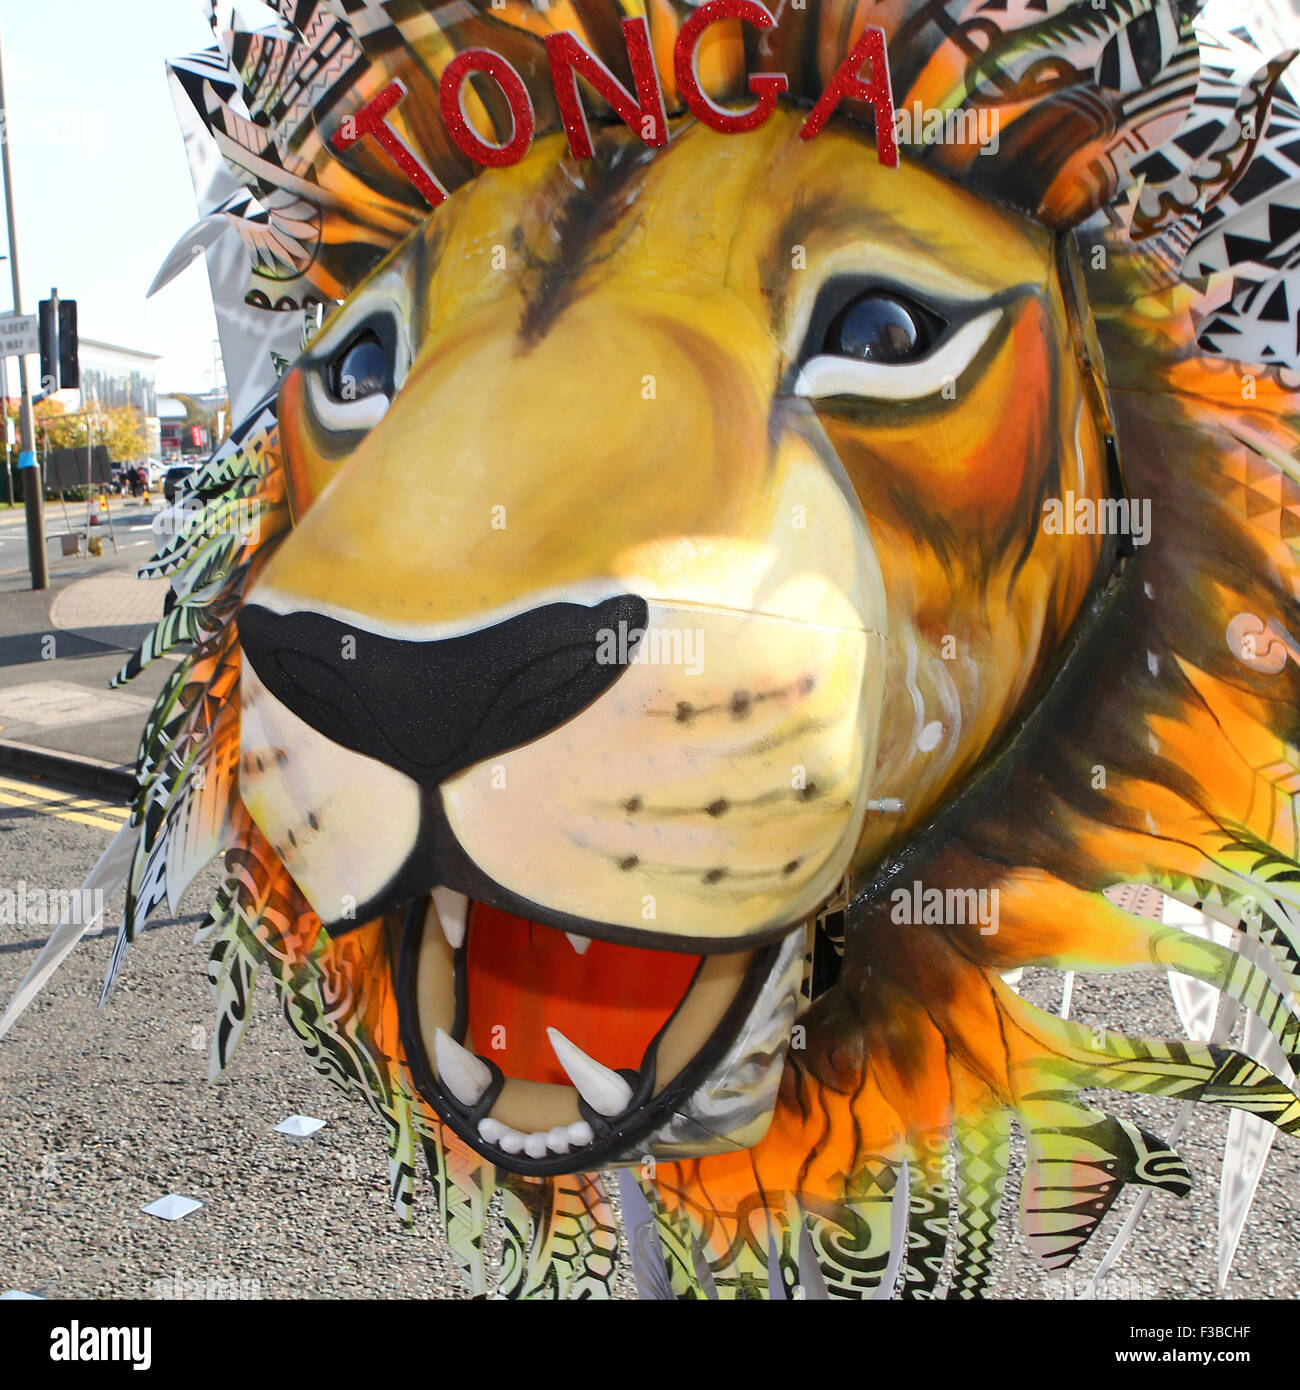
(363, 369)
(878, 327)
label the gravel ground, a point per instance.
(101, 1113)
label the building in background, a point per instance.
(115, 375)
(190, 426)
(172, 416)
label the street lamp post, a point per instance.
(4, 409)
(33, 485)
(4, 396)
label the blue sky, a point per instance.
(101, 183)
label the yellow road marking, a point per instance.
(89, 820)
(101, 808)
(62, 805)
(33, 789)
(68, 798)
(67, 803)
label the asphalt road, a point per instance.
(102, 1112)
(60, 648)
(130, 525)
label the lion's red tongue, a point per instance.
(524, 979)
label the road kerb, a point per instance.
(73, 769)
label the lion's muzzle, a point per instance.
(431, 709)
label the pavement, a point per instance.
(61, 647)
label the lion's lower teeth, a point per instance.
(558, 1140)
(466, 1079)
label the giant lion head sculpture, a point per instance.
(719, 604)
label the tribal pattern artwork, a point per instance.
(695, 621)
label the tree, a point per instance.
(122, 429)
(56, 429)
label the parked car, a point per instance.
(174, 477)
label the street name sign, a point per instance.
(20, 334)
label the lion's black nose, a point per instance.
(430, 709)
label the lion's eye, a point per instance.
(352, 386)
(363, 369)
(882, 345)
(879, 327)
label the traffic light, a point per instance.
(60, 361)
(69, 346)
(49, 329)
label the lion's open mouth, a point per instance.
(555, 1049)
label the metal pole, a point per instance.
(108, 506)
(90, 482)
(63, 492)
(33, 485)
(4, 395)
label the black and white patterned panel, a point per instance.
(1261, 324)
(1222, 198)
(1170, 196)
(364, 17)
(1153, 63)
(1253, 233)
(198, 72)
(1254, 230)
